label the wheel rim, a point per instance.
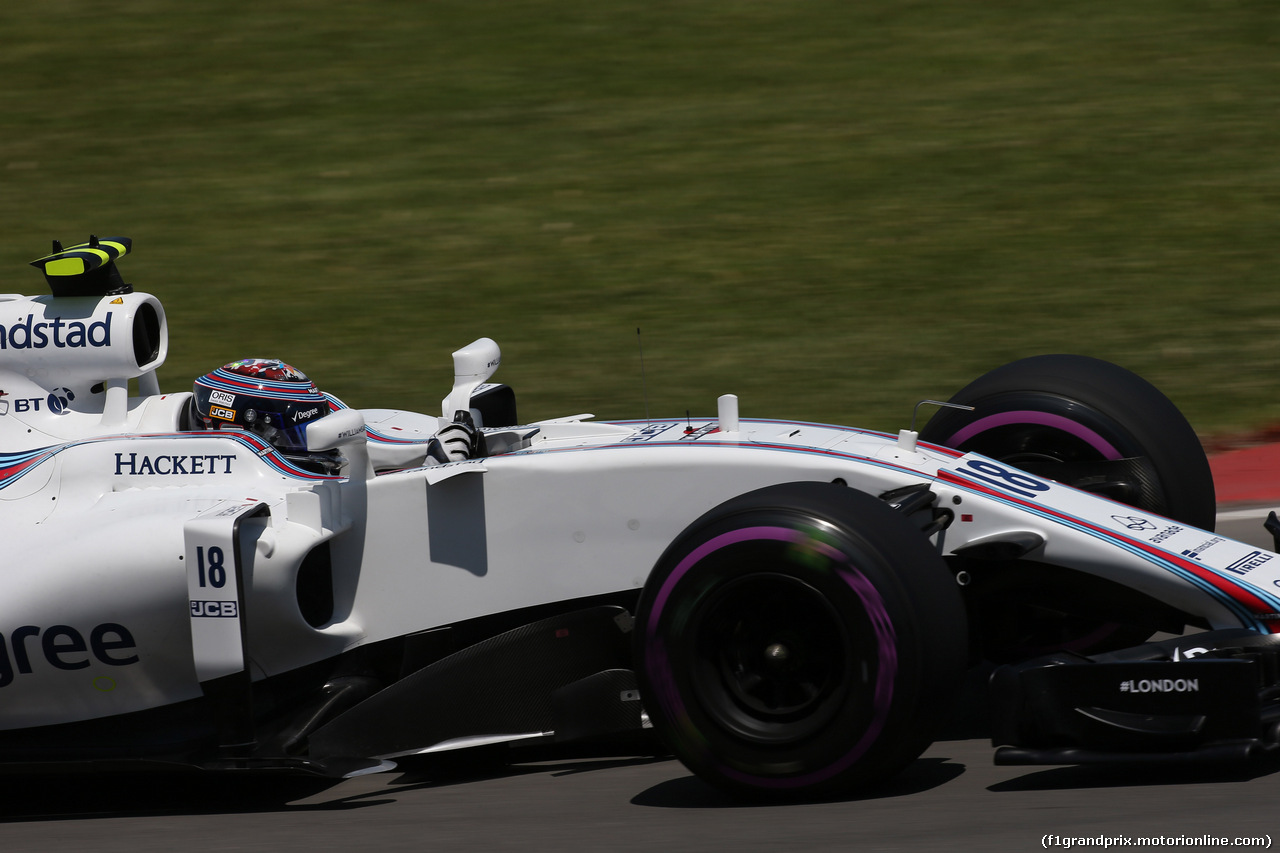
(1037, 430)
(1065, 441)
(1068, 442)
(772, 658)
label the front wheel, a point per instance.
(797, 642)
(1101, 428)
(1087, 423)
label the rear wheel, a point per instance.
(796, 642)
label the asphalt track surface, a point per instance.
(952, 797)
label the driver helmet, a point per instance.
(264, 396)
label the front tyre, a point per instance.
(1101, 428)
(1087, 423)
(798, 641)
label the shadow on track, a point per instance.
(690, 792)
(70, 796)
(1135, 775)
(153, 793)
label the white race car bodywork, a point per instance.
(110, 518)
(145, 561)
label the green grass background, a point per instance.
(831, 209)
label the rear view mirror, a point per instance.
(472, 366)
(335, 429)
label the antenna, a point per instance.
(907, 437)
(644, 388)
(916, 410)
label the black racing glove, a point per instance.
(458, 441)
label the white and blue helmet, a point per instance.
(264, 396)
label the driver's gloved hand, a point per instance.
(458, 441)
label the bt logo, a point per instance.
(58, 402)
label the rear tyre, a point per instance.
(797, 642)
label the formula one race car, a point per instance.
(256, 576)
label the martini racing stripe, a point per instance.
(336, 405)
(13, 466)
(224, 380)
(1245, 604)
(1251, 607)
(746, 445)
(263, 450)
(935, 448)
(381, 438)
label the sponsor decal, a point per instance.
(1179, 655)
(222, 398)
(1160, 685)
(64, 647)
(55, 403)
(1194, 553)
(308, 414)
(1005, 479)
(649, 433)
(132, 464)
(57, 333)
(224, 414)
(1133, 522)
(1249, 562)
(235, 509)
(695, 434)
(59, 400)
(1171, 530)
(215, 609)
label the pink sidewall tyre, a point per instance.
(798, 642)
